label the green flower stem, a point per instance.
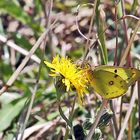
(71, 117)
(64, 117)
(92, 129)
(72, 110)
(68, 121)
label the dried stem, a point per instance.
(34, 92)
(90, 29)
(25, 60)
(18, 48)
(133, 98)
(129, 44)
(129, 62)
(116, 29)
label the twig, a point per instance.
(90, 29)
(28, 111)
(92, 40)
(130, 16)
(114, 120)
(124, 23)
(18, 48)
(129, 61)
(116, 30)
(38, 76)
(133, 98)
(25, 60)
(34, 92)
(92, 129)
(129, 44)
(42, 127)
(78, 25)
(91, 23)
(48, 126)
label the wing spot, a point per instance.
(111, 82)
(115, 70)
(121, 81)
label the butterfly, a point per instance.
(112, 81)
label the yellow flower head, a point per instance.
(72, 76)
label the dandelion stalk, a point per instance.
(64, 117)
(71, 117)
(68, 121)
(68, 75)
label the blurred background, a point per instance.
(22, 22)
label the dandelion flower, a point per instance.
(72, 76)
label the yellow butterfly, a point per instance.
(112, 81)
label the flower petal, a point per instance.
(72, 75)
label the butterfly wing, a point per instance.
(108, 84)
(130, 75)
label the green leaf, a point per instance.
(134, 6)
(17, 12)
(5, 70)
(9, 112)
(22, 41)
(100, 28)
(8, 97)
